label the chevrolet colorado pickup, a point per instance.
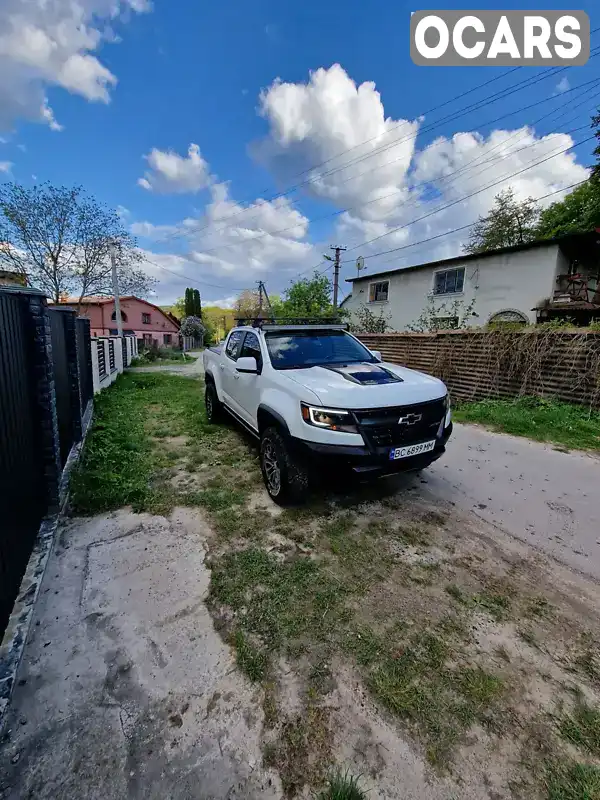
(314, 394)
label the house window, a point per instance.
(378, 292)
(449, 281)
(146, 319)
(167, 338)
(123, 316)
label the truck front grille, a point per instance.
(381, 427)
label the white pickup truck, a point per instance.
(314, 394)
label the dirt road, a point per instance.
(215, 646)
(545, 497)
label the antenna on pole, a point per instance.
(360, 264)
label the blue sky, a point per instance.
(113, 96)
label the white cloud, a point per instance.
(54, 43)
(387, 182)
(231, 246)
(5, 166)
(563, 85)
(171, 173)
(374, 168)
(330, 119)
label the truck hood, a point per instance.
(368, 385)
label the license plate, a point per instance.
(411, 450)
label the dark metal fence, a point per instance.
(111, 355)
(22, 490)
(84, 362)
(62, 383)
(46, 385)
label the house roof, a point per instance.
(571, 238)
(100, 301)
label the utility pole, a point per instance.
(260, 299)
(115, 284)
(262, 294)
(336, 274)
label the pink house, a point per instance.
(140, 319)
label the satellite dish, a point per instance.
(360, 264)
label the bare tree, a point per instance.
(59, 238)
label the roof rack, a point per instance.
(288, 322)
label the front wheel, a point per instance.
(285, 477)
(214, 408)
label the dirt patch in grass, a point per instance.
(435, 655)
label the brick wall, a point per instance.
(480, 364)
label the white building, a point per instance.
(520, 284)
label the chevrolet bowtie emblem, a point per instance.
(410, 419)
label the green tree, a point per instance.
(308, 297)
(509, 222)
(178, 308)
(366, 321)
(579, 212)
(188, 303)
(596, 127)
(197, 304)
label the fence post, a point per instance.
(84, 362)
(44, 397)
(69, 322)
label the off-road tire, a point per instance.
(275, 453)
(214, 407)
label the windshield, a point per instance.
(297, 349)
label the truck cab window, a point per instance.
(251, 347)
(233, 345)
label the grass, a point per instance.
(495, 604)
(338, 587)
(571, 781)
(128, 459)
(572, 427)
(342, 786)
(302, 753)
(251, 660)
(283, 603)
(441, 701)
(162, 358)
(582, 728)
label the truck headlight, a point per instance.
(331, 419)
(448, 418)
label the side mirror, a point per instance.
(247, 364)
(377, 355)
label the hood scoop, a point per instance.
(366, 374)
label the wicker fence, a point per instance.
(480, 364)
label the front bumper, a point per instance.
(369, 460)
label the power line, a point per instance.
(526, 83)
(460, 200)
(368, 141)
(458, 230)
(399, 191)
(190, 280)
(469, 196)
